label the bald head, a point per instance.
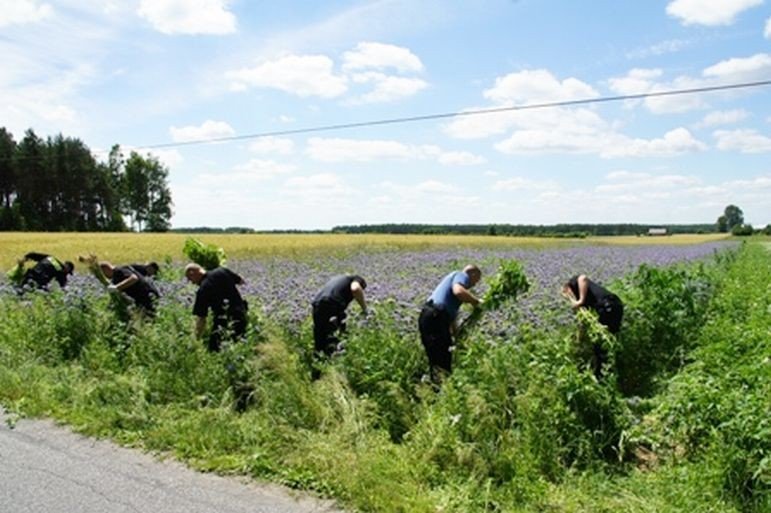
(194, 273)
(473, 273)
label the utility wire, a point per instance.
(476, 112)
(447, 115)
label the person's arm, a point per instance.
(464, 295)
(358, 295)
(583, 291)
(200, 326)
(123, 285)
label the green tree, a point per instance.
(722, 224)
(7, 180)
(147, 197)
(733, 216)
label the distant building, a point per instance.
(657, 231)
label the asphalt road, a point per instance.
(45, 468)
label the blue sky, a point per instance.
(149, 72)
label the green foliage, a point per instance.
(521, 425)
(207, 256)
(742, 230)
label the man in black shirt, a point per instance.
(148, 269)
(217, 292)
(125, 279)
(329, 310)
(584, 293)
(46, 269)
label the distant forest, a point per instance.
(56, 184)
(529, 230)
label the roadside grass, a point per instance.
(521, 426)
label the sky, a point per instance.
(142, 73)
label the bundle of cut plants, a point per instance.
(206, 255)
(508, 283)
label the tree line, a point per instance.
(56, 184)
(525, 230)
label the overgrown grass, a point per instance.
(679, 422)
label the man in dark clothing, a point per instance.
(217, 292)
(329, 310)
(46, 269)
(125, 279)
(584, 293)
(148, 269)
(437, 321)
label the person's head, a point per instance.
(107, 269)
(473, 273)
(69, 267)
(358, 279)
(152, 268)
(194, 273)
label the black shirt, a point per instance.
(140, 268)
(141, 291)
(217, 291)
(336, 293)
(595, 294)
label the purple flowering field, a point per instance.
(281, 288)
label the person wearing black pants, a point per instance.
(437, 321)
(329, 306)
(584, 293)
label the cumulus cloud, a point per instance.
(244, 175)
(519, 183)
(538, 85)
(387, 88)
(743, 141)
(661, 48)
(318, 188)
(723, 117)
(624, 182)
(368, 150)
(767, 32)
(301, 75)
(207, 130)
(369, 55)
(729, 71)
(709, 12)
(188, 16)
(20, 12)
(279, 145)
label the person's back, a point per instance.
(336, 292)
(596, 294)
(46, 268)
(142, 292)
(443, 296)
(218, 292)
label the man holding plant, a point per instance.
(438, 317)
(46, 268)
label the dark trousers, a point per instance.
(610, 311)
(231, 325)
(434, 324)
(328, 321)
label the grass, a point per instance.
(125, 247)
(521, 426)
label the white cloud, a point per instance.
(519, 183)
(207, 130)
(743, 141)
(20, 12)
(642, 81)
(435, 186)
(171, 158)
(661, 48)
(368, 150)
(530, 86)
(387, 88)
(741, 69)
(369, 55)
(280, 145)
(661, 186)
(243, 175)
(723, 117)
(767, 31)
(301, 75)
(188, 16)
(674, 142)
(318, 188)
(709, 12)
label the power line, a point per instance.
(446, 115)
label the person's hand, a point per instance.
(112, 288)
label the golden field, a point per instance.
(130, 247)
